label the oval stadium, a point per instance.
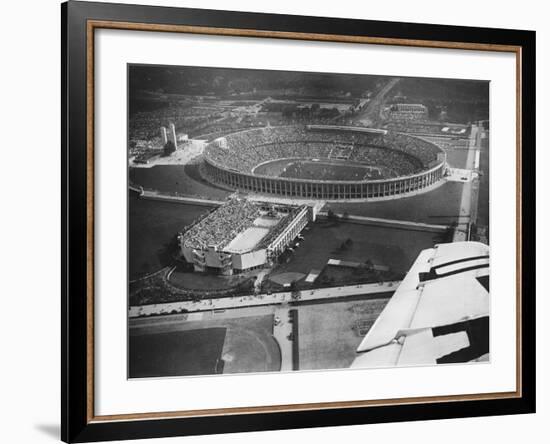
(324, 162)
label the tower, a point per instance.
(173, 136)
(163, 135)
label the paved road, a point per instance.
(262, 299)
(159, 195)
(371, 113)
(468, 202)
(390, 222)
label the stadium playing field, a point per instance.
(321, 169)
(308, 169)
(176, 353)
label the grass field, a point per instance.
(328, 171)
(176, 353)
(204, 281)
(183, 179)
(393, 247)
(152, 225)
(286, 278)
(457, 158)
(172, 346)
(330, 333)
(426, 207)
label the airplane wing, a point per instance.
(439, 313)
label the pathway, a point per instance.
(262, 299)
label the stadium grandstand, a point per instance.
(324, 162)
(241, 235)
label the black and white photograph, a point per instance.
(285, 221)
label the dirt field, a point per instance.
(330, 333)
(250, 347)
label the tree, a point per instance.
(448, 235)
(369, 264)
(332, 216)
(169, 148)
(295, 293)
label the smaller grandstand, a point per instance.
(242, 235)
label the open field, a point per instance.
(456, 158)
(426, 207)
(176, 353)
(182, 179)
(152, 226)
(204, 281)
(330, 333)
(396, 248)
(197, 344)
(250, 346)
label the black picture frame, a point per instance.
(77, 424)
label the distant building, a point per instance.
(408, 111)
(242, 235)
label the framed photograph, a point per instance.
(276, 221)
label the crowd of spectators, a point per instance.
(220, 226)
(244, 150)
(145, 125)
